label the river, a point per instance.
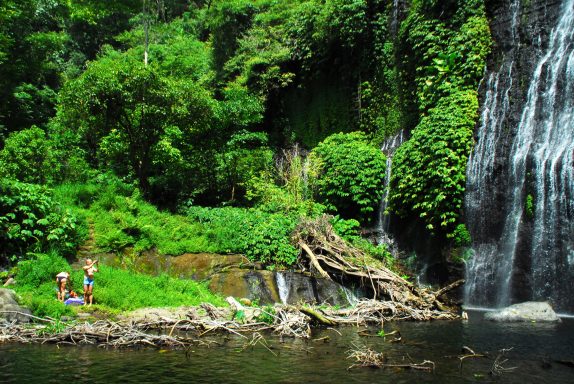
(535, 351)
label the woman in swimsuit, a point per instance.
(61, 279)
(89, 270)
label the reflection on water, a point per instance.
(536, 347)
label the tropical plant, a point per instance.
(350, 175)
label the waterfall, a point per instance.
(383, 220)
(282, 287)
(534, 250)
(394, 18)
(350, 296)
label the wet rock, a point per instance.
(297, 288)
(254, 285)
(9, 308)
(196, 266)
(171, 314)
(267, 287)
(534, 311)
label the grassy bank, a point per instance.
(115, 290)
(121, 219)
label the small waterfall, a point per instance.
(350, 296)
(536, 242)
(383, 220)
(393, 27)
(282, 286)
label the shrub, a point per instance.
(461, 236)
(30, 221)
(350, 175)
(261, 236)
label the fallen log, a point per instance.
(317, 316)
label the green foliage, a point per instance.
(125, 290)
(132, 116)
(245, 157)
(261, 236)
(267, 315)
(461, 236)
(443, 49)
(350, 176)
(27, 157)
(40, 269)
(52, 328)
(122, 219)
(349, 230)
(529, 206)
(36, 283)
(30, 221)
(31, 53)
(429, 170)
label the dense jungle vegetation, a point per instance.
(216, 125)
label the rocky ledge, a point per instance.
(9, 308)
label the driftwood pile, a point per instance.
(329, 256)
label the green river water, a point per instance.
(540, 354)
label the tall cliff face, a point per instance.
(520, 184)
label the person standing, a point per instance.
(89, 270)
(61, 280)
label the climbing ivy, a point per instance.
(428, 176)
(443, 48)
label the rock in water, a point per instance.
(539, 311)
(9, 308)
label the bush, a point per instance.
(461, 236)
(261, 236)
(350, 176)
(39, 269)
(30, 221)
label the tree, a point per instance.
(127, 114)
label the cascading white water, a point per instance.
(540, 173)
(350, 296)
(481, 271)
(282, 287)
(394, 18)
(383, 220)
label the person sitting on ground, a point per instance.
(74, 299)
(89, 271)
(61, 279)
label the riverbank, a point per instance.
(180, 327)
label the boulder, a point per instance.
(9, 308)
(532, 311)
